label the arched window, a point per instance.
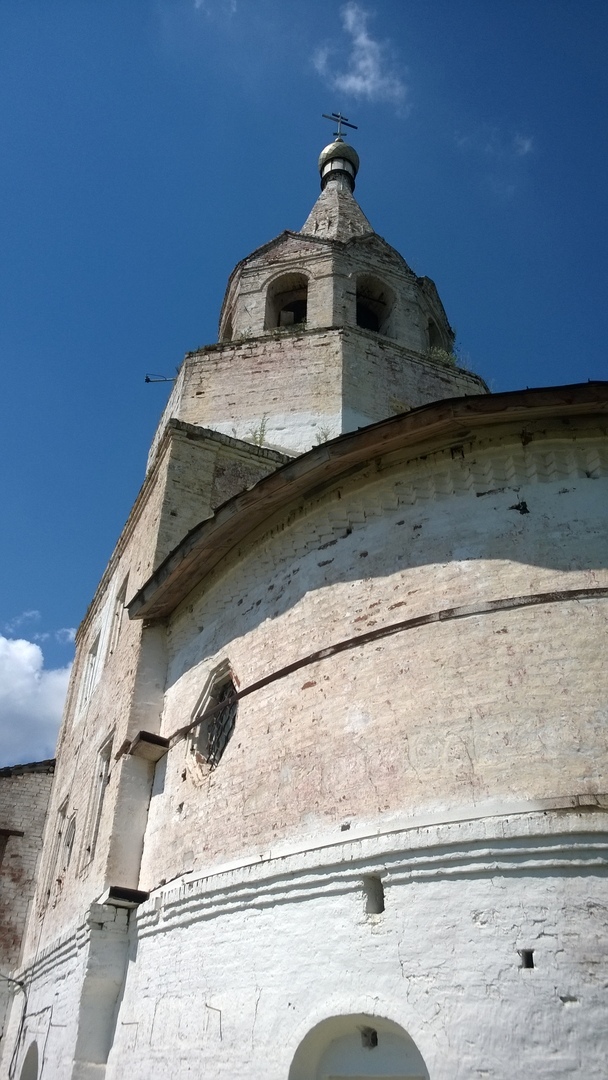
(374, 304)
(286, 301)
(435, 339)
(227, 331)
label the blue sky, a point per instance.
(148, 146)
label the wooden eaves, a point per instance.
(438, 424)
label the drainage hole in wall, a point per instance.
(527, 958)
(369, 1037)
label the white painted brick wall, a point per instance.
(233, 972)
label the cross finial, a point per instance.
(340, 121)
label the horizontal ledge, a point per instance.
(444, 615)
(149, 746)
(118, 896)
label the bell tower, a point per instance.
(321, 331)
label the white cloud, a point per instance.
(66, 635)
(25, 618)
(494, 143)
(208, 6)
(31, 702)
(370, 72)
(522, 145)
(499, 156)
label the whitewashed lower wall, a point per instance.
(51, 1013)
(229, 973)
(72, 990)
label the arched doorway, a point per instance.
(29, 1069)
(357, 1046)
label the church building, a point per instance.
(330, 790)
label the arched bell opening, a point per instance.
(434, 334)
(375, 301)
(355, 1046)
(286, 301)
(29, 1069)
(227, 331)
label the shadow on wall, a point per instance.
(358, 1046)
(551, 526)
(29, 1069)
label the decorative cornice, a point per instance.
(504, 845)
(565, 834)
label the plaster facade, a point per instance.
(393, 864)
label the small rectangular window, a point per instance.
(52, 874)
(98, 790)
(3, 842)
(373, 891)
(118, 615)
(89, 675)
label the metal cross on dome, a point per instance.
(339, 120)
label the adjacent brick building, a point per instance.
(24, 798)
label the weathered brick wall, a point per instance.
(193, 472)
(293, 389)
(381, 379)
(24, 799)
(283, 389)
(502, 704)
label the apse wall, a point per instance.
(442, 610)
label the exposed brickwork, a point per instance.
(24, 798)
(296, 388)
(292, 387)
(418, 720)
(194, 470)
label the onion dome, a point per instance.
(338, 158)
